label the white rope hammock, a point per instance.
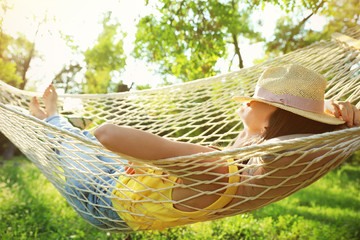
(201, 112)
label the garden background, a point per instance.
(168, 42)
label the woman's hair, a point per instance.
(283, 123)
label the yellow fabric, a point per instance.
(145, 203)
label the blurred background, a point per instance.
(91, 46)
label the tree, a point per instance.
(22, 53)
(16, 56)
(8, 75)
(7, 67)
(17, 52)
(103, 63)
(69, 78)
(290, 33)
(186, 38)
(342, 14)
(66, 78)
(105, 59)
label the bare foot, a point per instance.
(50, 99)
(36, 110)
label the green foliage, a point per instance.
(103, 62)
(186, 38)
(105, 58)
(143, 87)
(31, 208)
(22, 52)
(286, 5)
(289, 37)
(8, 73)
(341, 14)
(16, 54)
(7, 67)
(290, 33)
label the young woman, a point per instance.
(288, 103)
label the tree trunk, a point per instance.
(237, 50)
(296, 29)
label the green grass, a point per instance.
(31, 208)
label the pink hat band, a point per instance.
(301, 103)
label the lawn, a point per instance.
(31, 208)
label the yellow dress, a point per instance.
(145, 202)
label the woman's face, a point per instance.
(255, 116)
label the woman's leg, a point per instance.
(89, 194)
(89, 184)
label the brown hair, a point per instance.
(283, 123)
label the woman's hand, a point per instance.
(345, 111)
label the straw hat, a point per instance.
(295, 89)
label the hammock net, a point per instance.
(200, 111)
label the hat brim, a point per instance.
(319, 117)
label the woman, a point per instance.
(288, 103)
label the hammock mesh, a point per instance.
(201, 112)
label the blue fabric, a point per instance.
(89, 194)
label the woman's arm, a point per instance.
(143, 145)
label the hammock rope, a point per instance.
(201, 112)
